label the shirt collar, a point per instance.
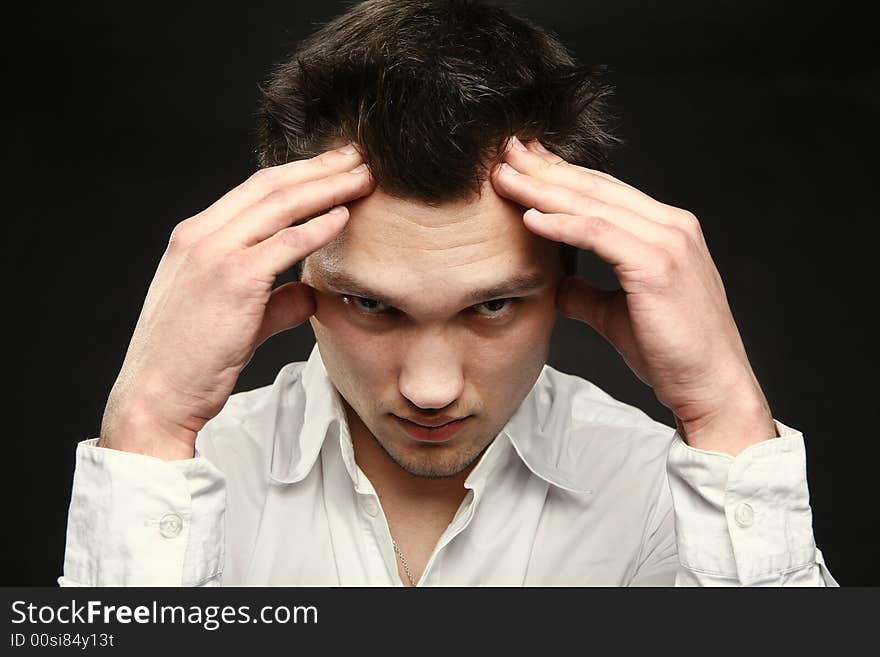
(307, 409)
(304, 418)
(536, 429)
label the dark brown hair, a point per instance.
(430, 89)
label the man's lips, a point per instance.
(435, 421)
(441, 428)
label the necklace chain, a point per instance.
(403, 562)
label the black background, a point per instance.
(123, 118)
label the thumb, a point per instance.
(578, 299)
(289, 305)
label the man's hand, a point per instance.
(670, 320)
(211, 302)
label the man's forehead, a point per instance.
(395, 250)
(457, 231)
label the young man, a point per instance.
(425, 441)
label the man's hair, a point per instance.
(429, 90)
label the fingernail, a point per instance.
(506, 168)
(359, 169)
(348, 149)
(517, 144)
(338, 210)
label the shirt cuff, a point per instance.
(136, 520)
(746, 517)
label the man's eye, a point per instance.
(494, 308)
(365, 305)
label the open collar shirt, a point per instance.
(577, 489)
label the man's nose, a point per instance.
(431, 375)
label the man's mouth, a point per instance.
(437, 429)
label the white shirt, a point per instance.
(577, 489)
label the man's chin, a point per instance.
(433, 462)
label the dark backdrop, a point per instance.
(124, 118)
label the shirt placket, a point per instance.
(475, 483)
(355, 531)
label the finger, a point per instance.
(537, 147)
(268, 179)
(549, 197)
(552, 168)
(612, 243)
(290, 245)
(583, 301)
(289, 306)
(285, 206)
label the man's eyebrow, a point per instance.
(511, 287)
(515, 285)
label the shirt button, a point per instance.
(744, 515)
(170, 525)
(371, 506)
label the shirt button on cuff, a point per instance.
(170, 525)
(744, 515)
(370, 506)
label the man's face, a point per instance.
(415, 320)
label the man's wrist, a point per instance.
(142, 434)
(745, 421)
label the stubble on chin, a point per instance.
(436, 461)
(433, 468)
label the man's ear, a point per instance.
(568, 257)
